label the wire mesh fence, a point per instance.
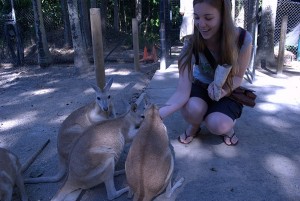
(290, 9)
(241, 13)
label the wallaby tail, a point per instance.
(34, 156)
(49, 179)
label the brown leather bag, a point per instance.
(244, 96)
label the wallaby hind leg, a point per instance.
(170, 189)
(75, 195)
(67, 189)
(112, 193)
(20, 185)
(119, 172)
(130, 193)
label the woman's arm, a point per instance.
(180, 96)
(244, 58)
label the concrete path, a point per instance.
(264, 166)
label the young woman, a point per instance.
(195, 93)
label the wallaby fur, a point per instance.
(73, 126)
(11, 173)
(149, 164)
(94, 155)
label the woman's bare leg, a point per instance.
(193, 113)
(220, 124)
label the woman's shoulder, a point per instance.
(248, 36)
(244, 35)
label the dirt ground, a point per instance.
(35, 101)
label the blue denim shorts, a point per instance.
(225, 105)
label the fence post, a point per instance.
(97, 46)
(135, 40)
(282, 44)
(298, 52)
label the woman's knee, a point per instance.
(194, 109)
(218, 123)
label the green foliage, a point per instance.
(52, 12)
(176, 17)
(149, 24)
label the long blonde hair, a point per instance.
(228, 43)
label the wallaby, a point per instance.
(92, 159)
(11, 173)
(150, 162)
(73, 126)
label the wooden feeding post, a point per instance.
(97, 46)
(282, 44)
(135, 39)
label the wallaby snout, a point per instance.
(103, 97)
(103, 103)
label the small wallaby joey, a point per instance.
(95, 153)
(11, 173)
(73, 126)
(150, 162)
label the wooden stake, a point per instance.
(135, 39)
(97, 46)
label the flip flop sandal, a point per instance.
(187, 137)
(230, 139)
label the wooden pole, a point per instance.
(282, 44)
(135, 39)
(97, 46)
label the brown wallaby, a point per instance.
(94, 155)
(73, 126)
(11, 173)
(150, 162)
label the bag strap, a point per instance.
(241, 38)
(211, 58)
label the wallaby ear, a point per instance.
(95, 87)
(108, 84)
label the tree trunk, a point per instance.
(267, 27)
(116, 15)
(80, 56)
(67, 29)
(252, 26)
(138, 10)
(85, 23)
(44, 57)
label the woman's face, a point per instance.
(207, 19)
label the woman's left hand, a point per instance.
(215, 93)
